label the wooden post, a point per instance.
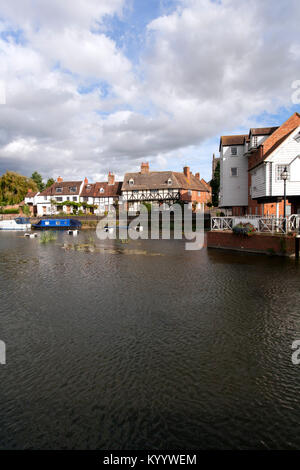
(297, 246)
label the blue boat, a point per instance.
(57, 224)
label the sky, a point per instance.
(92, 86)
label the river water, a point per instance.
(146, 346)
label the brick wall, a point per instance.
(258, 243)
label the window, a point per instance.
(279, 171)
(59, 198)
(75, 198)
(234, 151)
(254, 140)
(169, 181)
(297, 137)
(199, 193)
(189, 192)
(131, 182)
(234, 171)
(101, 190)
(68, 198)
(45, 198)
(72, 189)
(59, 190)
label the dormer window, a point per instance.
(72, 189)
(101, 190)
(59, 190)
(169, 181)
(88, 186)
(234, 151)
(131, 182)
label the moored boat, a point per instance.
(57, 224)
(19, 223)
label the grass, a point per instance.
(47, 237)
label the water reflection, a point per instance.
(158, 348)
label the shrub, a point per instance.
(246, 230)
(9, 211)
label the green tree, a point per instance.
(215, 184)
(38, 180)
(14, 187)
(50, 182)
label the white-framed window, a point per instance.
(59, 190)
(254, 140)
(234, 171)
(75, 198)
(72, 189)
(59, 199)
(279, 170)
(233, 151)
(189, 192)
(45, 198)
(131, 182)
(101, 190)
(169, 181)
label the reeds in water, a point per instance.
(47, 237)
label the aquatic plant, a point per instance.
(47, 237)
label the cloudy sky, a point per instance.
(99, 85)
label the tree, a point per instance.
(50, 182)
(14, 187)
(37, 178)
(215, 185)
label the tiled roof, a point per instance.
(207, 185)
(263, 130)
(279, 142)
(227, 140)
(31, 194)
(159, 180)
(65, 185)
(110, 190)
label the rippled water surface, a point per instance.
(146, 346)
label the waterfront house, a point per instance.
(251, 166)
(163, 188)
(31, 201)
(102, 195)
(51, 200)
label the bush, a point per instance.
(9, 211)
(26, 210)
(246, 230)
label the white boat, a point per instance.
(20, 223)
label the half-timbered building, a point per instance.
(163, 188)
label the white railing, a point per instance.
(270, 224)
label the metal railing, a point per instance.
(269, 224)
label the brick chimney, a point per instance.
(197, 176)
(111, 178)
(86, 180)
(144, 168)
(186, 171)
(59, 179)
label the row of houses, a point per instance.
(251, 167)
(158, 188)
